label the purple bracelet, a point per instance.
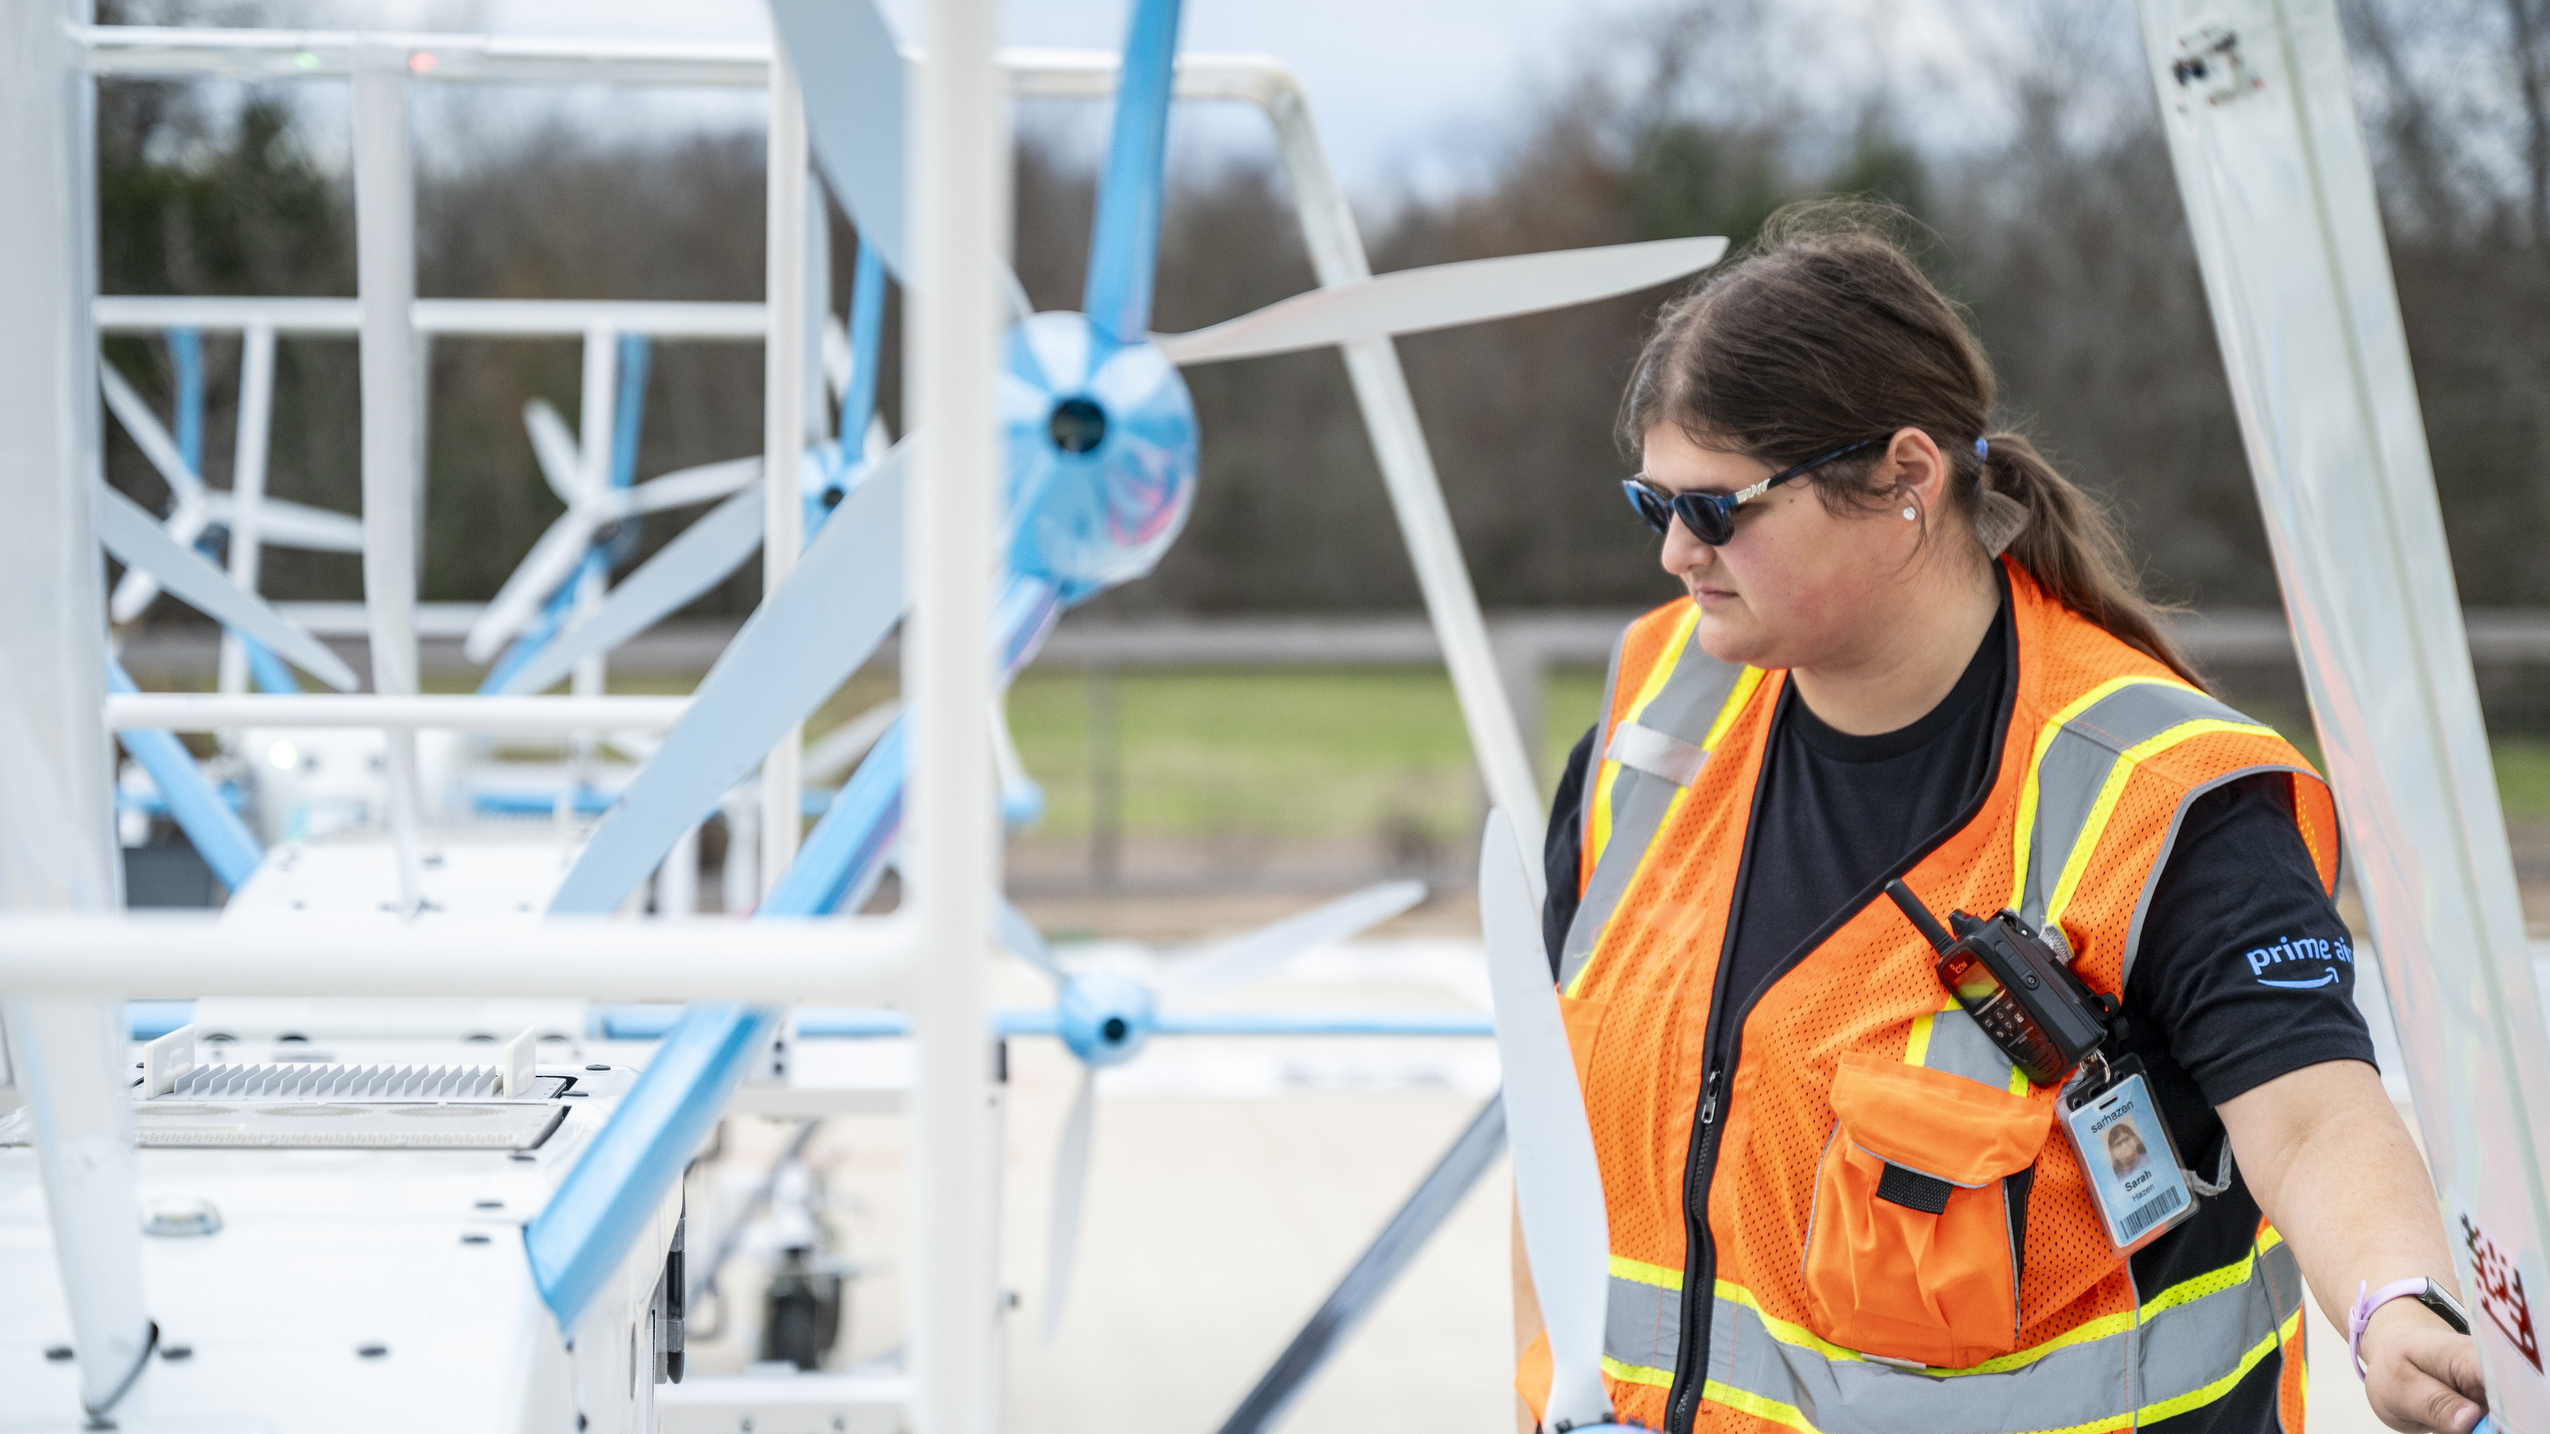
(2362, 1314)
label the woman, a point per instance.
(1913, 650)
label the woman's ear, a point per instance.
(1915, 467)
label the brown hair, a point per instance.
(1823, 333)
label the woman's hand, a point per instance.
(2330, 1164)
(2418, 1374)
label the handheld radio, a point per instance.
(2022, 995)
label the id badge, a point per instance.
(2125, 1149)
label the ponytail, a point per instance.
(1825, 334)
(2069, 543)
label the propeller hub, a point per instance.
(1077, 425)
(1105, 1017)
(1102, 454)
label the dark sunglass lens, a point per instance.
(1708, 521)
(1650, 509)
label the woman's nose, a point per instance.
(1683, 553)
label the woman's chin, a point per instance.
(1727, 632)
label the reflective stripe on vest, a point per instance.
(2085, 754)
(2185, 1347)
(1649, 758)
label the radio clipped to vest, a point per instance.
(2023, 996)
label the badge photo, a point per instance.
(2126, 1150)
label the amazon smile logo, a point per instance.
(2310, 950)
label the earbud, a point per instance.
(1910, 515)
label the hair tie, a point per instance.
(1983, 449)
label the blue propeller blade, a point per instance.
(804, 641)
(1124, 243)
(537, 642)
(220, 838)
(852, 76)
(867, 336)
(186, 355)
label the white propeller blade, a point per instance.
(134, 536)
(1071, 1188)
(1414, 300)
(804, 641)
(695, 561)
(1252, 957)
(831, 756)
(187, 515)
(560, 457)
(1020, 938)
(279, 522)
(134, 591)
(547, 564)
(147, 434)
(685, 486)
(1558, 1187)
(282, 523)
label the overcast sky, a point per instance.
(1401, 89)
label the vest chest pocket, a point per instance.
(1908, 1250)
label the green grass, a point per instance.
(1279, 753)
(2523, 776)
(1344, 752)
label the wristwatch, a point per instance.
(2421, 1289)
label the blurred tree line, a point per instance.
(2050, 194)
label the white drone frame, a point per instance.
(66, 971)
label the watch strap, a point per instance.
(2419, 1288)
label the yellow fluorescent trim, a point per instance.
(1757, 1406)
(1673, 809)
(1607, 772)
(2207, 1394)
(2077, 863)
(1637, 1373)
(1796, 1335)
(1763, 1407)
(2105, 1326)
(1917, 1045)
(1662, 672)
(2088, 1331)
(1599, 823)
(1663, 1277)
(2024, 831)
(1746, 683)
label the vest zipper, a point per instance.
(1700, 1261)
(1722, 1050)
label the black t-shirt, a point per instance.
(2225, 994)
(2245, 971)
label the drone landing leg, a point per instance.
(1374, 1273)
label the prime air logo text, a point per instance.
(2272, 965)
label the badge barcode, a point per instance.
(2143, 1219)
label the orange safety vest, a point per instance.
(1829, 1309)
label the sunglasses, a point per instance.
(1711, 516)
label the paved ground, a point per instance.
(1229, 1189)
(1232, 1183)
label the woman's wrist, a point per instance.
(2432, 1299)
